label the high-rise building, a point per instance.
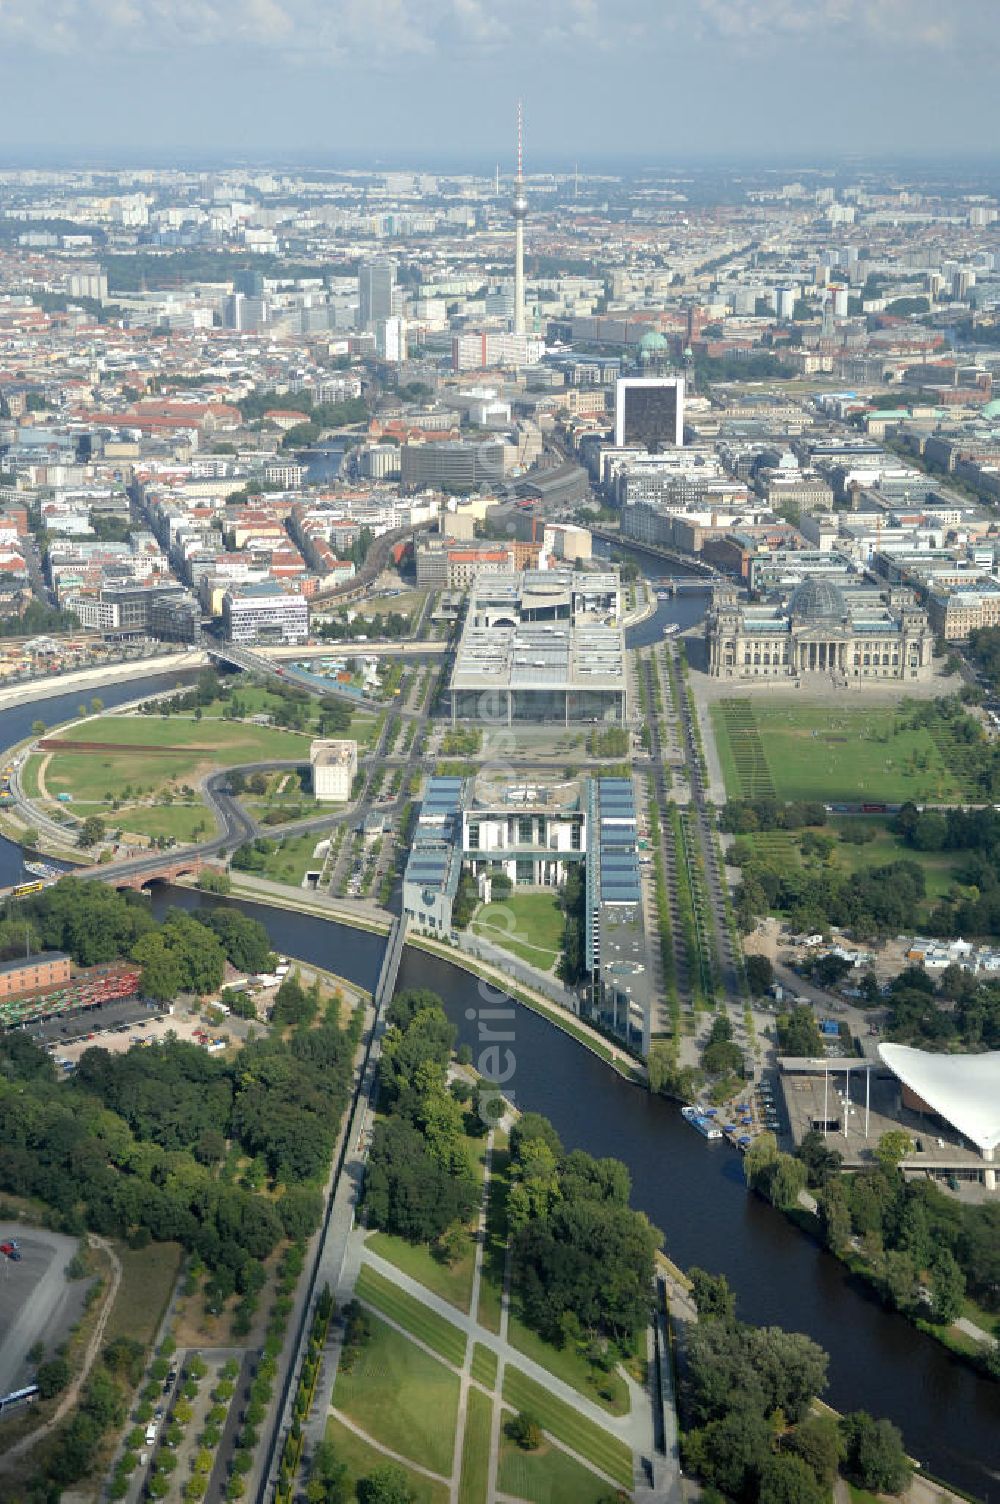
(376, 286)
(649, 411)
(390, 340)
(519, 209)
(249, 283)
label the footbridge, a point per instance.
(257, 663)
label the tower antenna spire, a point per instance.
(520, 142)
(519, 209)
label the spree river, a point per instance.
(692, 1190)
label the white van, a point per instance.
(151, 1433)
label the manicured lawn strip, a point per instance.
(417, 1319)
(574, 1431)
(547, 1476)
(148, 1278)
(453, 1284)
(476, 1449)
(484, 1365)
(495, 1250)
(529, 925)
(362, 1459)
(402, 1397)
(29, 776)
(567, 1364)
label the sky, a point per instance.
(434, 82)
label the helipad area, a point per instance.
(963, 1090)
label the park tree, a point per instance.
(329, 1481)
(947, 1286)
(835, 1216)
(760, 974)
(91, 831)
(712, 1295)
(524, 1429)
(817, 1440)
(788, 1479)
(893, 1147)
(873, 1454)
(387, 1484)
(52, 1377)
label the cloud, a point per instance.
(366, 31)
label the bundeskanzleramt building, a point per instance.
(817, 631)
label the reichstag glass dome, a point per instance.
(817, 600)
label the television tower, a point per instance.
(519, 209)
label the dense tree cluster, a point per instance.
(960, 1010)
(93, 923)
(583, 1259)
(743, 816)
(878, 901)
(420, 1180)
(131, 1144)
(572, 900)
(973, 905)
(923, 1248)
(753, 1434)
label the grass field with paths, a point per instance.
(402, 1397)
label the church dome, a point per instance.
(817, 600)
(653, 343)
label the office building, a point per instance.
(649, 412)
(334, 765)
(265, 613)
(451, 465)
(376, 292)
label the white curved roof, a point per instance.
(963, 1089)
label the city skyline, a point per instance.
(291, 75)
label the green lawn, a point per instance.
(484, 1365)
(201, 747)
(567, 1364)
(582, 1436)
(547, 1476)
(495, 1250)
(938, 866)
(780, 850)
(148, 1278)
(403, 1398)
(451, 1282)
(293, 858)
(829, 753)
(476, 1449)
(529, 925)
(362, 1459)
(419, 1320)
(185, 822)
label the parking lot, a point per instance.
(37, 1302)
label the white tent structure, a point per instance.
(962, 1089)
